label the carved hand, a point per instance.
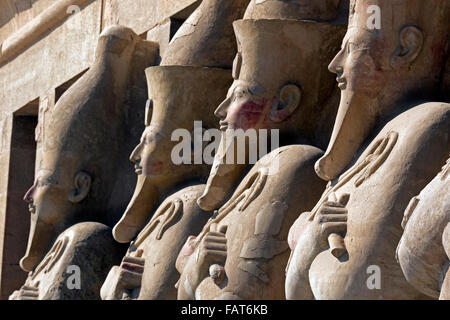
(131, 271)
(331, 218)
(122, 280)
(26, 293)
(209, 257)
(308, 238)
(212, 250)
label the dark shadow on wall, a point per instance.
(20, 178)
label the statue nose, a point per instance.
(336, 65)
(135, 155)
(221, 111)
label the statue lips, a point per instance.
(138, 169)
(223, 125)
(342, 82)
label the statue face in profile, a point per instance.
(246, 107)
(179, 96)
(144, 154)
(270, 93)
(77, 171)
(357, 66)
(379, 68)
(52, 201)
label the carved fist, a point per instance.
(122, 280)
(332, 216)
(131, 271)
(212, 251)
(25, 293)
(330, 220)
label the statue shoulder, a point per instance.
(424, 127)
(288, 165)
(179, 214)
(86, 247)
(426, 116)
(292, 156)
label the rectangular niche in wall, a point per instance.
(20, 179)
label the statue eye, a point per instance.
(44, 182)
(148, 139)
(240, 93)
(351, 47)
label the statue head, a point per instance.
(178, 96)
(317, 10)
(280, 82)
(76, 175)
(206, 38)
(393, 54)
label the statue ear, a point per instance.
(82, 184)
(411, 44)
(289, 100)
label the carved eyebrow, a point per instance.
(358, 46)
(256, 90)
(44, 181)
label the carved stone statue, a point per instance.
(76, 177)
(206, 38)
(185, 88)
(424, 249)
(388, 124)
(179, 96)
(75, 266)
(322, 10)
(241, 251)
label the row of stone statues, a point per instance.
(300, 223)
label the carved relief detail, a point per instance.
(52, 257)
(363, 169)
(240, 200)
(164, 218)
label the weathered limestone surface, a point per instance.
(89, 126)
(75, 266)
(424, 247)
(389, 140)
(40, 71)
(240, 250)
(184, 89)
(352, 177)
